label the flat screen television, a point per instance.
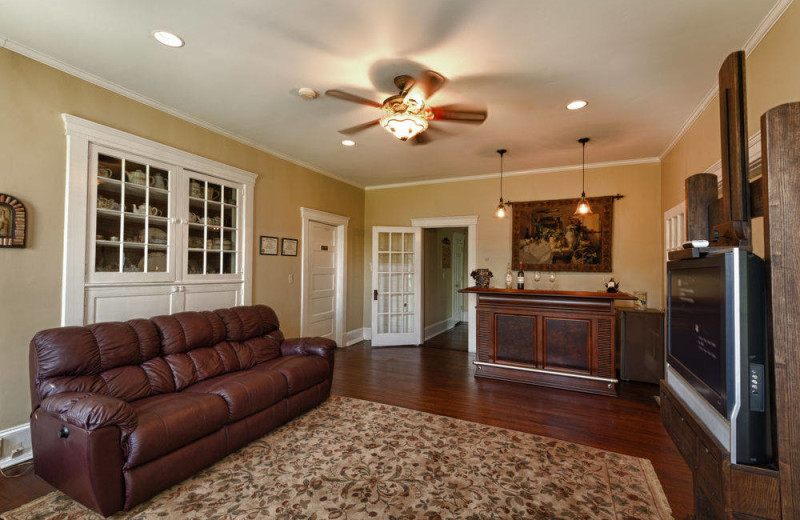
(717, 342)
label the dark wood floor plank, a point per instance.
(440, 380)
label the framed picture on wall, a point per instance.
(289, 247)
(548, 236)
(268, 246)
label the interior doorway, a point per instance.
(444, 274)
(323, 299)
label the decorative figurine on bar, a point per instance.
(482, 277)
(612, 286)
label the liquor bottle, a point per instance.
(509, 278)
(520, 278)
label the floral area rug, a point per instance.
(352, 459)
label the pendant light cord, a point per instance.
(583, 141)
(501, 152)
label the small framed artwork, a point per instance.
(13, 221)
(268, 246)
(289, 247)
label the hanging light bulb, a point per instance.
(501, 208)
(583, 206)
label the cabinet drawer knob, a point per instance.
(63, 433)
(706, 449)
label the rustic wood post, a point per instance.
(780, 155)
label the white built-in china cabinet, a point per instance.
(150, 229)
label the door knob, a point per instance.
(375, 295)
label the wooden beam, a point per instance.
(780, 154)
(701, 192)
(735, 225)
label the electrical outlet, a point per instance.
(17, 451)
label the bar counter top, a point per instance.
(566, 294)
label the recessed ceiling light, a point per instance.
(169, 39)
(307, 93)
(578, 103)
(349, 142)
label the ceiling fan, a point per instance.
(408, 115)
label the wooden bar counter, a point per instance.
(562, 339)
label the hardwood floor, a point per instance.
(440, 380)
(454, 339)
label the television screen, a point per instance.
(697, 341)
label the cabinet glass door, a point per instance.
(212, 241)
(396, 283)
(130, 232)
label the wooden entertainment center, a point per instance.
(723, 489)
(561, 339)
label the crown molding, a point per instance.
(750, 45)
(537, 171)
(62, 66)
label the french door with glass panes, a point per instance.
(212, 217)
(131, 201)
(396, 286)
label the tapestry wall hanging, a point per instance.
(13, 221)
(548, 236)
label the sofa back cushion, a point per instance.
(140, 358)
(116, 359)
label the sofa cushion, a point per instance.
(104, 358)
(167, 422)
(245, 393)
(243, 323)
(301, 372)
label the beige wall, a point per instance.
(637, 251)
(438, 281)
(33, 151)
(773, 78)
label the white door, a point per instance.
(396, 286)
(459, 277)
(320, 313)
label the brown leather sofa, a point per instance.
(122, 411)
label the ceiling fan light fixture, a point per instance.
(500, 212)
(169, 39)
(577, 104)
(404, 125)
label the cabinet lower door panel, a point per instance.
(563, 345)
(515, 338)
(127, 303)
(210, 297)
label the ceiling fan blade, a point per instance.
(352, 98)
(430, 82)
(423, 138)
(460, 114)
(358, 128)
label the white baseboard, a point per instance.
(11, 438)
(440, 327)
(352, 337)
(367, 333)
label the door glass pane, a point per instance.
(409, 323)
(212, 263)
(384, 283)
(408, 262)
(397, 241)
(383, 241)
(383, 303)
(408, 284)
(408, 241)
(229, 263)
(383, 323)
(397, 263)
(195, 264)
(133, 259)
(383, 262)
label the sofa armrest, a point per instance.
(91, 411)
(322, 347)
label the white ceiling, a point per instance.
(643, 65)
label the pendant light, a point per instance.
(501, 208)
(583, 206)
